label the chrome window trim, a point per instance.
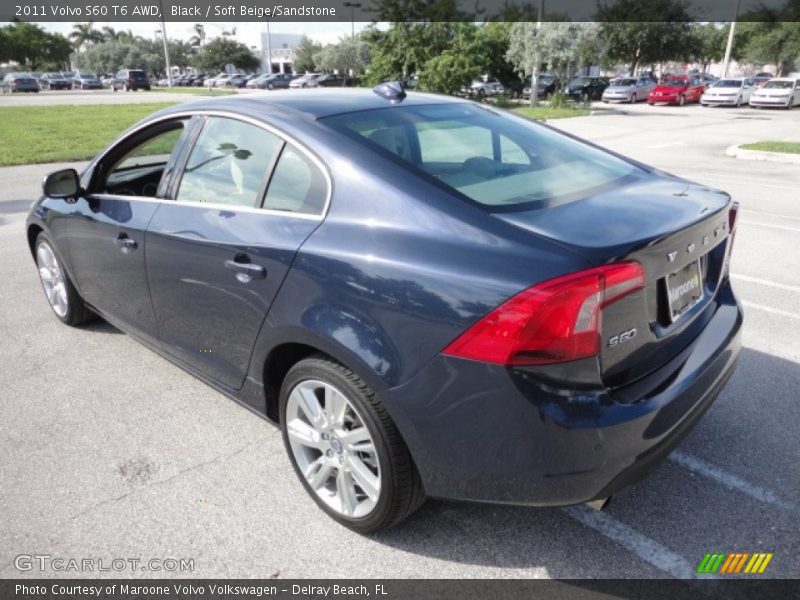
(212, 206)
(287, 138)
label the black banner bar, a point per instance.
(397, 10)
(395, 589)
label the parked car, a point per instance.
(211, 81)
(586, 88)
(780, 92)
(485, 86)
(197, 80)
(762, 78)
(20, 82)
(86, 81)
(330, 80)
(54, 81)
(677, 90)
(538, 322)
(255, 82)
(131, 80)
(237, 80)
(277, 81)
(628, 89)
(303, 81)
(730, 92)
(107, 80)
(547, 84)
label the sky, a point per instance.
(247, 33)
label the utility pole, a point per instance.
(353, 6)
(535, 67)
(164, 40)
(729, 46)
(269, 51)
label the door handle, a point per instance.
(125, 243)
(245, 271)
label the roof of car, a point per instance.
(316, 103)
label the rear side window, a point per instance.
(501, 161)
(229, 163)
(297, 185)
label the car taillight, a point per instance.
(733, 214)
(554, 321)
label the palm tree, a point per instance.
(112, 35)
(200, 38)
(84, 33)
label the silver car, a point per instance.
(628, 89)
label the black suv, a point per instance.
(130, 79)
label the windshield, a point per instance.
(674, 83)
(728, 83)
(779, 85)
(581, 81)
(626, 82)
(545, 79)
(500, 161)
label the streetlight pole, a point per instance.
(269, 51)
(353, 6)
(729, 46)
(164, 40)
(535, 67)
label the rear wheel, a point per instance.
(345, 448)
(62, 296)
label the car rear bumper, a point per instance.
(481, 432)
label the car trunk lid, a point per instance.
(678, 231)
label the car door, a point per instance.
(245, 201)
(105, 228)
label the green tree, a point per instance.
(709, 42)
(350, 54)
(638, 33)
(776, 43)
(33, 47)
(304, 55)
(199, 37)
(84, 34)
(218, 53)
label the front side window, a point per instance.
(229, 163)
(498, 160)
(139, 169)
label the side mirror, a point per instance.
(62, 184)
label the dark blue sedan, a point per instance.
(429, 296)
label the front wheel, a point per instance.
(738, 101)
(681, 100)
(633, 99)
(62, 296)
(345, 448)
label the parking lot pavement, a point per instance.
(110, 451)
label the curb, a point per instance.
(782, 157)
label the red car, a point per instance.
(677, 90)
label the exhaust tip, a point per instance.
(600, 503)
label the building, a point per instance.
(279, 50)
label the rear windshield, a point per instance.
(498, 160)
(136, 74)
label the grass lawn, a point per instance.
(545, 113)
(197, 91)
(787, 147)
(42, 134)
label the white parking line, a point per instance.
(769, 309)
(728, 480)
(647, 549)
(797, 229)
(767, 282)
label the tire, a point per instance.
(633, 98)
(399, 487)
(682, 101)
(61, 295)
(270, 86)
(738, 101)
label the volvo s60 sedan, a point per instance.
(429, 297)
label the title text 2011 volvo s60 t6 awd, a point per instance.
(431, 297)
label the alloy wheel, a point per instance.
(52, 277)
(333, 448)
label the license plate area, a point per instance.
(684, 289)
